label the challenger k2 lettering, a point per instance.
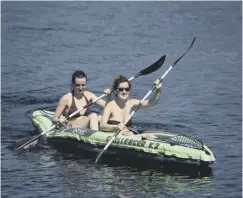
(139, 143)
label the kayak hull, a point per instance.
(168, 148)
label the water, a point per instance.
(43, 43)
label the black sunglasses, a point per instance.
(122, 88)
(78, 85)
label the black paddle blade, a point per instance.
(19, 143)
(155, 66)
(184, 53)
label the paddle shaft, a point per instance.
(141, 102)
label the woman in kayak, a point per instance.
(77, 99)
(117, 111)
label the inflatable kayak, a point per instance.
(166, 147)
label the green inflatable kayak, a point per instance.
(166, 147)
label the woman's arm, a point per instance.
(102, 102)
(153, 101)
(60, 108)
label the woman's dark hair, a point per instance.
(78, 74)
(120, 79)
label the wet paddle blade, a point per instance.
(184, 53)
(155, 66)
(31, 141)
(21, 143)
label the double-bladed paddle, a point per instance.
(141, 102)
(24, 143)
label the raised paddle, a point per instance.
(24, 143)
(141, 102)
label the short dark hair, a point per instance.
(120, 79)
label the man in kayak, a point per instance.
(117, 111)
(77, 99)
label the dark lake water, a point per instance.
(43, 43)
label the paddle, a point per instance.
(141, 102)
(26, 142)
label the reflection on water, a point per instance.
(84, 174)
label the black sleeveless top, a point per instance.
(115, 122)
(74, 108)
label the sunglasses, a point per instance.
(122, 89)
(78, 85)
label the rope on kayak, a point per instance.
(185, 141)
(60, 128)
(181, 140)
(28, 113)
